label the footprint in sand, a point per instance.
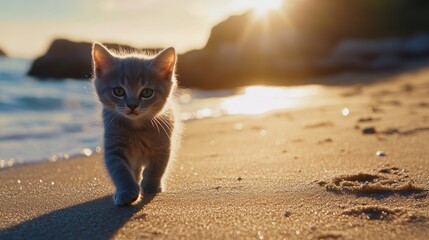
(385, 214)
(385, 181)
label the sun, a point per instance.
(262, 7)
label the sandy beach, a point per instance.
(311, 173)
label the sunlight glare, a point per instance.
(262, 99)
(263, 7)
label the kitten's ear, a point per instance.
(165, 63)
(102, 58)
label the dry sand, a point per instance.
(303, 174)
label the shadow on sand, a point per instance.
(97, 219)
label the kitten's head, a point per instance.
(132, 85)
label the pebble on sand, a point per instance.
(380, 154)
(369, 130)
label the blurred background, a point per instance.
(235, 57)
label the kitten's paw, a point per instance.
(126, 197)
(148, 190)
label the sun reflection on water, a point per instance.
(253, 100)
(262, 99)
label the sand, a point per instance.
(307, 173)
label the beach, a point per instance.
(354, 169)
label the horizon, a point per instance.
(184, 24)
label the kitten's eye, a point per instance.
(146, 93)
(118, 92)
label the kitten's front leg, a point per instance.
(153, 172)
(127, 189)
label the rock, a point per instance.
(238, 54)
(64, 59)
(68, 59)
(2, 53)
(380, 154)
(196, 68)
(241, 52)
(369, 130)
(229, 31)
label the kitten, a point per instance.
(136, 92)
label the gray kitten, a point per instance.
(136, 92)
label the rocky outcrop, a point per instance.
(68, 59)
(286, 48)
(309, 38)
(2, 53)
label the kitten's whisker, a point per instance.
(167, 123)
(160, 123)
(155, 125)
(110, 118)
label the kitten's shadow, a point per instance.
(97, 219)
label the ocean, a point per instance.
(54, 119)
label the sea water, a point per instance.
(58, 118)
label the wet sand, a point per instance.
(309, 173)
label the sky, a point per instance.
(27, 27)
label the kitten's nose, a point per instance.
(132, 106)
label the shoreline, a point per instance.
(304, 174)
(87, 151)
